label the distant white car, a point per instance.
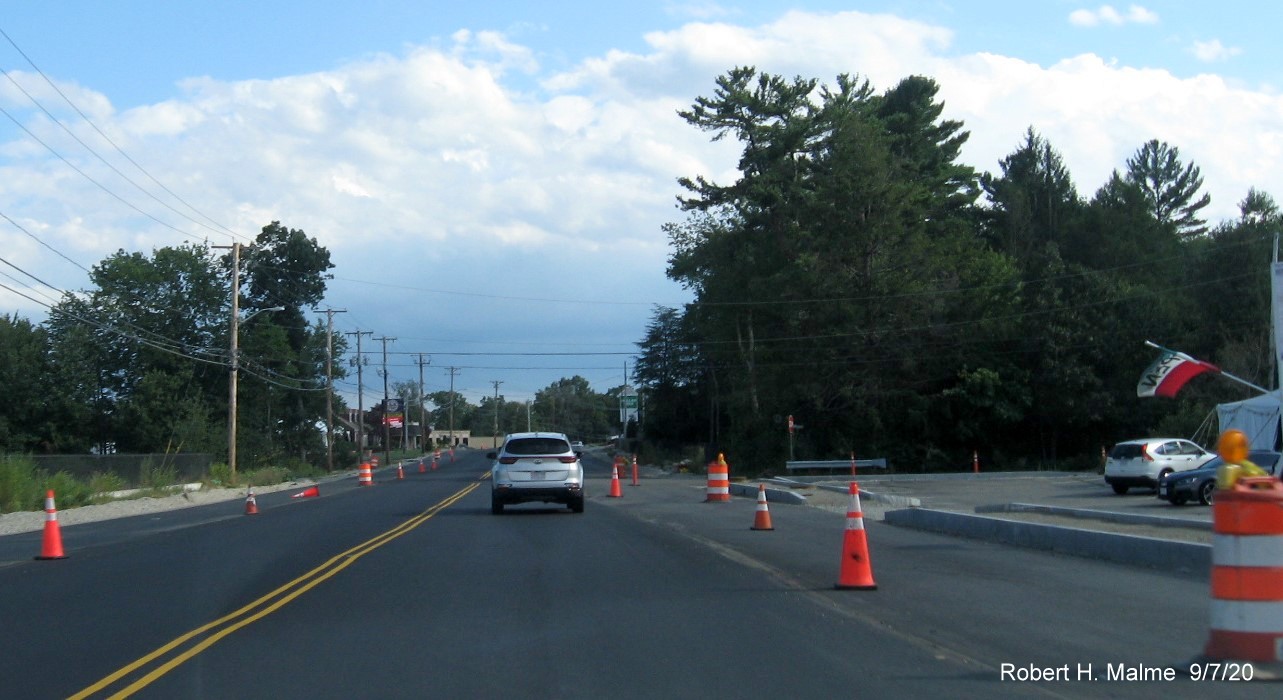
(1142, 463)
(577, 445)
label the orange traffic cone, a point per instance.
(615, 491)
(451, 454)
(856, 572)
(51, 548)
(634, 470)
(435, 457)
(251, 505)
(400, 472)
(762, 520)
(310, 492)
(422, 468)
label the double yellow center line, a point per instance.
(257, 610)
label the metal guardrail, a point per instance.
(794, 465)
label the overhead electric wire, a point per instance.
(108, 139)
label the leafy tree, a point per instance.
(1259, 207)
(148, 316)
(285, 268)
(1170, 188)
(443, 402)
(672, 370)
(24, 389)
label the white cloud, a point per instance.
(1106, 14)
(1214, 50)
(470, 168)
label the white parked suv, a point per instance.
(1141, 463)
(536, 467)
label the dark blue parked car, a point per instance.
(1200, 484)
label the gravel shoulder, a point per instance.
(32, 521)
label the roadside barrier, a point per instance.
(615, 491)
(856, 572)
(719, 481)
(762, 518)
(365, 476)
(51, 547)
(634, 470)
(1247, 578)
(309, 492)
(251, 505)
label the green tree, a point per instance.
(1170, 187)
(25, 393)
(159, 318)
(284, 355)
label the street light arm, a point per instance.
(255, 312)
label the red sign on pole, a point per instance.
(790, 424)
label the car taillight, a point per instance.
(568, 460)
(507, 460)
(1144, 452)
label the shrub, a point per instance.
(67, 490)
(157, 476)
(19, 485)
(220, 475)
(103, 483)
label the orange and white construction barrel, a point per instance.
(1247, 577)
(719, 481)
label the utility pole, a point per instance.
(387, 431)
(423, 419)
(453, 371)
(329, 385)
(235, 366)
(496, 383)
(360, 394)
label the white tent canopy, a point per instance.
(1258, 417)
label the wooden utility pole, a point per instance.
(329, 385)
(496, 383)
(453, 371)
(360, 395)
(387, 430)
(423, 418)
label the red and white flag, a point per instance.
(1170, 372)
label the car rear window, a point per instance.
(536, 446)
(1126, 450)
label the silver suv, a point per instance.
(1143, 463)
(536, 467)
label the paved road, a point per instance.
(412, 589)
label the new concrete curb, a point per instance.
(1123, 549)
(897, 501)
(772, 495)
(1105, 515)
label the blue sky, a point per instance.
(491, 177)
